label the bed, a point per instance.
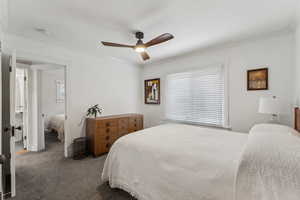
(56, 124)
(176, 162)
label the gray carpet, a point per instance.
(49, 176)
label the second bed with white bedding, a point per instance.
(57, 123)
(176, 161)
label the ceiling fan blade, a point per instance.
(116, 45)
(145, 55)
(160, 39)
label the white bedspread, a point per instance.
(270, 165)
(57, 122)
(176, 162)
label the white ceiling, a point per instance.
(194, 23)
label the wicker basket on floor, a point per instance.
(80, 149)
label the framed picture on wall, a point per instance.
(257, 79)
(152, 91)
(60, 91)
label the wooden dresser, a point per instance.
(102, 132)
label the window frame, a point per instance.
(226, 97)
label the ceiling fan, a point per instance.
(140, 46)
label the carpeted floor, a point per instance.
(49, 176)
(19, 146)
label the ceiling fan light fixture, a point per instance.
(139, 49)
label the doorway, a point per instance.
(40, 105)
(21, 111)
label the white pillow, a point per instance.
(273, 128)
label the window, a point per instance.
(196, 96)
(60, 91)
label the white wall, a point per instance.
(297, 67)
(297, 62)
(109, 82)
(274, 52)
(33, 110)
(48, 93)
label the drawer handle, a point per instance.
(107, 138)
(135, 125)
(107, 124)
(107, 130)
(107, 145)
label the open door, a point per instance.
(13, 66)
(7, 158)
(25, 111)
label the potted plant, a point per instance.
(93, 111)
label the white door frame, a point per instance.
(12, 80)
(25, 111)
(67, 64)
(25, 108)
(1, 186)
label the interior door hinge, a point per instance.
(10, 69)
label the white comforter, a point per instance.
(176, 162)
(57, 123)
(270, 165)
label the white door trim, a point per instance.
(1, 186)
(13, 64)
(25, 112)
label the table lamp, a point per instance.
(270, 106)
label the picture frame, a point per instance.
(258, 79)
(152, 91)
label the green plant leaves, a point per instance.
(94, 110)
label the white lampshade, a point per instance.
(269, 106)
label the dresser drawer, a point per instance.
(135, 123)
(123, 121)
(106, 123)
(133, 126)
(102, 146)
(123, 128)
(123, 132)
(107, 131)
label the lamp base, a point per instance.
(274, 119)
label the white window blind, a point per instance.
(196, 96)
